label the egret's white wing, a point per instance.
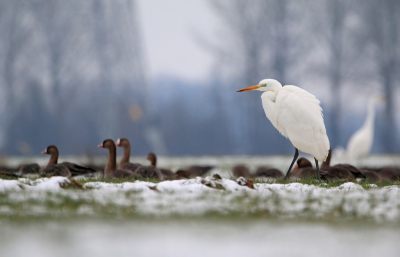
(299, 115)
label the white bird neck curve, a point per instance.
(270, 95)
(369, 121)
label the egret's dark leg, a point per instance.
(296, 154)
(316, 165)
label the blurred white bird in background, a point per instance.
(296, 114)
(360, 142)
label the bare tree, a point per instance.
(382, 18)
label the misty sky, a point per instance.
(169, 30)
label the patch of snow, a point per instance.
(53, 183)
(6, 185)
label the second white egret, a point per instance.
(360, 142)
(296, 114)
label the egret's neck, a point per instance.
(268, 100)
(369, 121)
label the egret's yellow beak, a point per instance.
(248, 88)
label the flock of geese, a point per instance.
(127, 169)
(124, 169)
(338, 172)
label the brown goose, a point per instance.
(371, 175)
(111, 171)
(197, 170)
(124, 163)
(23, 169)
(32, 168)
(383, 174)
(168, 174)
(336, 172)
(191, 172)
(339, 171)
(268, 172)
(241, 171)
(390, 173)
(183, 174)
(149, 172)
(6, 171)
(303, 170)
(74, 169)
(52, 168)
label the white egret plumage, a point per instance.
(296, 114)
(360, 142)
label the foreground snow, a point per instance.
(197, 197)
(196, 238)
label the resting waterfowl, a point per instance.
(124, 163)
(6, 171)
(183, 174)
(303, 170)
(197, 170)
(389, 173)
(191, 172)
(111, 171)
(336, 173)
(54, 168)
(371, 175)
(149, 172)
(339, 171)
(268, 172)
(32, 168)
(241, 171)
(167, 174)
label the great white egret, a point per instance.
(360, 142)
(296, 114)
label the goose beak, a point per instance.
(44, 151)
(100, 145)
(118, 142)
(249, 88)
(295, 167)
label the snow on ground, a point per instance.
(198, 197)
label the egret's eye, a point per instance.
(263, 85)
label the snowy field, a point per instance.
(198, 197)
(199, 217)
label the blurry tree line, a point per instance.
(73, 73)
